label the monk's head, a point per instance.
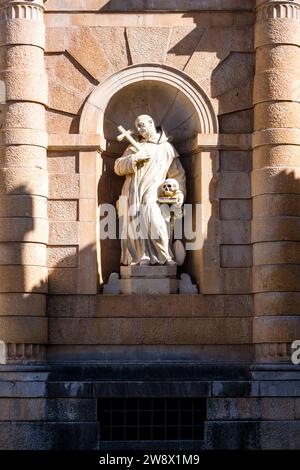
(145, 126)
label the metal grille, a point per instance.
(150, 419)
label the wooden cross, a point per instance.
(127, 135)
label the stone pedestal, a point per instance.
(149, 280)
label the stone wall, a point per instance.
(215, 49)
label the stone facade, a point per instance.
(222, 76)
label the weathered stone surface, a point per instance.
(70, 390)
(63, 280)
(113, 41)
(22, 304)
(280, 435)
(232, 435)
(71, 409)
(234, 185)
(148, 44)
(62, 98)
(238, 161)
(62, 257)
(233, 71)
(62, 162)
(49, 436)
(212, 49)
(63, 71)
(63, 186)
(23, 329)
(235, 209)
(63, 233)
(237, 122)
(183, 42)
(62, 210)
(83, 45)
(149, 331)
(235, 232)
(33, 254)
(236, 256)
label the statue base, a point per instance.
(155, 280)
(149, 280)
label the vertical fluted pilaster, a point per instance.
(275, 179)
(23, 181)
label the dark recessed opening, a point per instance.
(151, 419)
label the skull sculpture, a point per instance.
(170, 187)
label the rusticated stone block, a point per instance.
(266, 205)
(149, 331)
(275, 229)
(71, 409)
(148, 44)
(280, 114)
(235, 232)
(234, 185)
(83, 45)
(22, 304)
(62, 98)
(23, 329)
(63, 280)
(235, 161)
(70, 389)
(276, 329)
(33, 254)
(24, 181)
(23, 279)
(49, 436)
(275, 180)
(276, 156)
(29, 115)
(232, 435)
(233, 71)
(280, 435)
(23, 206)
(236, 256)
(62, 257)
(63, 233)
(268, 278)
(23, 155)
(55, 39)
(62, 163)
(62, 70)
(232, 389)
(277, 303)
(233, 409)
(235, 209)
(63, 186)
(63, 210)
(22, 409)
(237, 122)
(276, 253)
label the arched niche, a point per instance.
(176, 103)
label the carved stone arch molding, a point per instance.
(176, 102)
(92, 118)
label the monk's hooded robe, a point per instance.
(138, 204)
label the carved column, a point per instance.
(23, 183)
(275, 180)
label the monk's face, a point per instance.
(145, 126)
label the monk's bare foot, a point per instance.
(170, 262)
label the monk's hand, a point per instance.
(142, 156)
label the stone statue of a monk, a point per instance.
(145, 171)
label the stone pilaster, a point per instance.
(23, 182)
(275, 180)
